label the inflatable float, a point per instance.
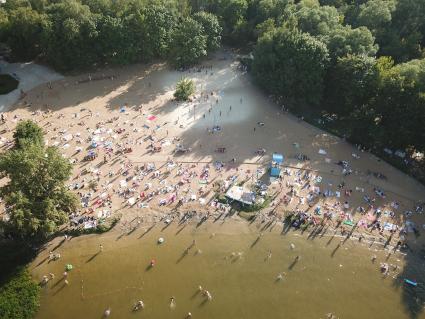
(68, 267)
(410, 282)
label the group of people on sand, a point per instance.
(113, 178)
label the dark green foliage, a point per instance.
(212, 29)
(189, 44)
(291, 63)
(35, 195)
(156, 33)
(351, 83)
(28, 133)
(19, 296)
(79, 34)
(184, 89)
(24, 32)
(7, 83)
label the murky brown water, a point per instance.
(346, 284)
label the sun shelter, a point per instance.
(274, 171)
(277, 158)
(241, 194)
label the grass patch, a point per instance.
(7, 83)
(19, 296)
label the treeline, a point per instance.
(73, 34)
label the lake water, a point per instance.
(231, 261)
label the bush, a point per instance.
(28, 132)
(184, 88)
(19, 297)
(7, 83)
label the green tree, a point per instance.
(158, 26)
(375, 14)
(117, 42)
(19, 296)
(401, 105)
(232, 12)
(315, 19)
(212, 29)
(36, 198)
(264, 27)
(27, 133)
(70, 37)
(4, 23)
(184, 89)
(25, 27)
(345, 40)
(405, 38)
(350, 84)
(189, 44)
(292, 64)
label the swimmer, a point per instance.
(107, 312)
(297, 258)
(200, 288)
(172, 302)
(292, 246)
(65, 274)
(373, 258)
(189, 315)
(66, 282)
(101, 247)
(198, 252)
(45, 280)
(269, 254)
(139, 305)
(52, 276)
(280, 276)
(208, 295)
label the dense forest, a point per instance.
(355, 67)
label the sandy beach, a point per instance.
(121, 128)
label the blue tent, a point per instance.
(278, 158)
(274, 171)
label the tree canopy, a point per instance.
(189, 43)
(298, 62)
(36, 198)
(27, 133)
